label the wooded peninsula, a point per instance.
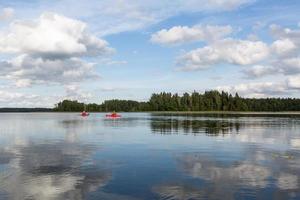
(208, 101)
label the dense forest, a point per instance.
(209, 101)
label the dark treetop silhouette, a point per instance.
(209, 101)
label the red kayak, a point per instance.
(84, 114)
(113, 115)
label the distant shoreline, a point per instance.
(49, 110)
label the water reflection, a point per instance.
(64, 156)
(51, 171)
(209, 127)
(218, 124)
(243, 173)
(215, 115)
(243, 178)
(177, 191)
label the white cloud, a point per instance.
(294, 82)
(286, 49)
(26, 70)
(289, 86)
(285, 58)
(239, 52)
(50, 50)
(21, 83)
(17, 99)
(283, 46)
(6, 14)
(257, 71)
(10, 98)
(252, 37)
(288, 65)
(288, 41)
(184, 34)
(280, 57)
(73, 92)
(281, 33)
(51, 35)
(259, 89)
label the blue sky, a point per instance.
(97, 50)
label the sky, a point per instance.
(91, 50)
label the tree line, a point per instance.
(208, 101)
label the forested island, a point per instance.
(208, 101)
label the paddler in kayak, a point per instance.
(113, 115)
(84, 113)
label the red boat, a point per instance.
(113, 115)
(85, 114)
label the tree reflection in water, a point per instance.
(187, 126)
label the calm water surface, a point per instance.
(149, 156)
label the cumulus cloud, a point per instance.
(294, 82)
(6, 14)
(282, 33)
(10, 98)
(239, 52)
(50, 50)
(288, 65)
(17, 99)
(257, 71)
(283, 46)
(284, 59)
(26, 70)
(74, 92)
(184, 34)
(257, 58)
(286, 47)
(287, 40)
(281, 56)
(259, 89)
(51, 36)
(290, 85)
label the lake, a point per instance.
(149, 156)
